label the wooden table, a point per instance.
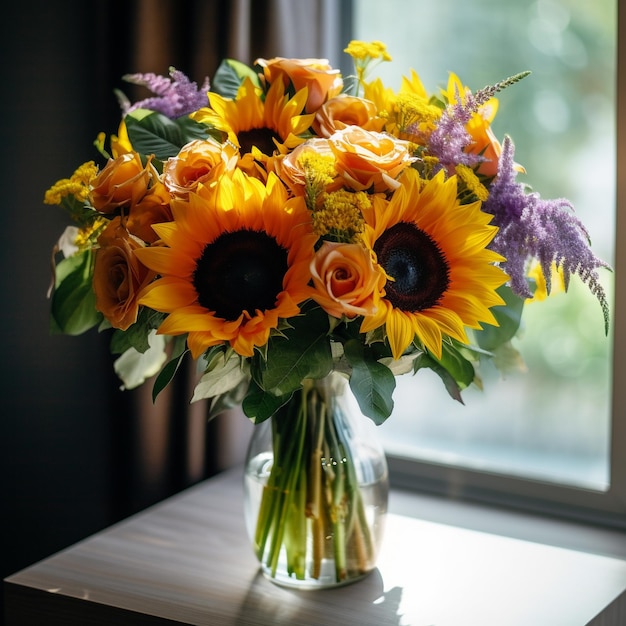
(188, 561)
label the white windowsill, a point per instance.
(187, 560)
(508, 523)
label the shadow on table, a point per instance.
(364, 602)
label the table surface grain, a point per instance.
(187, 560)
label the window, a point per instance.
(554, 436)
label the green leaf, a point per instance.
(222, 374)
(153, 133)
(258, 404)
(225, 401)
(134, 368)
(171, 367)
(229, 76)
(509, 317)
(371, 382)
(425, 360)
(136, 336)
(460, 368)
(400, 366)
(73, 306)
(303, 351)
(508, 359)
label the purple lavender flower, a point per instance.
(530, 227)
(450, 139)
(175, 96)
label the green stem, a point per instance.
(340, 508)
(296, 529)
(289, 466)
(358, 528)
(277, 488)
(314, 507)
(312, 491)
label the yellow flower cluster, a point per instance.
(319, 172)
(415, 117)
(341, 215)
(87, 235)
(472, 182)
(366, 51)
(77, 185)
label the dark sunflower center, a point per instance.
(417, 265)
(240, 271)
(262, 138)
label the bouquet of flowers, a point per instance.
(280, 223)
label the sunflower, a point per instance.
(259, 126)
(235, 261)
(442, 278)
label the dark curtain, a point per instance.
(78, 453)
(194, 36)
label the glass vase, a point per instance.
(316, 489)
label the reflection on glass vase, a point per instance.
(316, 489)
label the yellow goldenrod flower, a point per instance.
(414, 117)
(87, 235)
(319, 172)
(430, 164)
(341, 215)
(363, 50)
(410, 114)
(77, 185)
(472, 182)
(364, 54)
(319, 169)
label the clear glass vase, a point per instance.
(316, 489)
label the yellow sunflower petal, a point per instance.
(190, 319)
(401, 333)
(442, 275)
(166, 260)
(168, 294)
(428, 330)
(220, 237)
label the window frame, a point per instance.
(561, 500)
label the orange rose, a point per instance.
(118, 275)
(342, 111)
(346, 280)
(153, 208)
(199, 162)
(123, 181)
(316, 75)
(369, 160)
